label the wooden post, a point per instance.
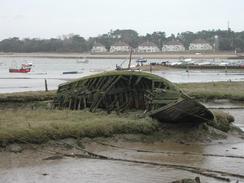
(78, 108)
(70, 102)
(46, 89)
(75, 103)
(130, 59)
(84, 102)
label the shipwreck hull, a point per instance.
(184, 111)
(120, 91)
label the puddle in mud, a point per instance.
(83, 170)
(238, 115)
(235, 109)
(189, 155)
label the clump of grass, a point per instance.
(215, 90)
(222, 121)
(27, 96)
(42, 125)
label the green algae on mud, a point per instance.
(27, 96)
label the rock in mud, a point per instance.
(53, 157)
(68, 142)
(16, 148)
(222, 121)
(86, 140)
(3, 143)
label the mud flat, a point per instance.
(125, 158)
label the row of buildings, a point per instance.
(150, 47)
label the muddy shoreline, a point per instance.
(210, 55)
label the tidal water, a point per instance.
(52, 69)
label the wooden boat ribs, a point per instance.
(125, 90)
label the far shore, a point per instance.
(178, 55)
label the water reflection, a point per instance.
(194, 155)
(93, 171)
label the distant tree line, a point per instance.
(226, 40)
(70, 43)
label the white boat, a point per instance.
(27, 65)
(175, 63)
(84, 61)
(187, 60)
(204, 63)
(223, 64)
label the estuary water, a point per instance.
(52, 69)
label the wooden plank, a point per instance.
(75, 103)
(70, 102)
(136, 100)
(183, 111)
(79, 104)
(109, 82)
(91, 85)
(153, 85)
(117, 104)
(130, 78)
(137, 81)
(162, 101)
(100, 83)
(84, 102)
(96, 103)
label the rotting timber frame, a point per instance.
(117, 91)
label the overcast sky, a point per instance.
(52, 18)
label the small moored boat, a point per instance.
(84, 61)
(22, 69)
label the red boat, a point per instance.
(20, 70)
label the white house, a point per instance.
(200, 45)
(120, 47)
(148, 47)
(173, 45)
(98, 48)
